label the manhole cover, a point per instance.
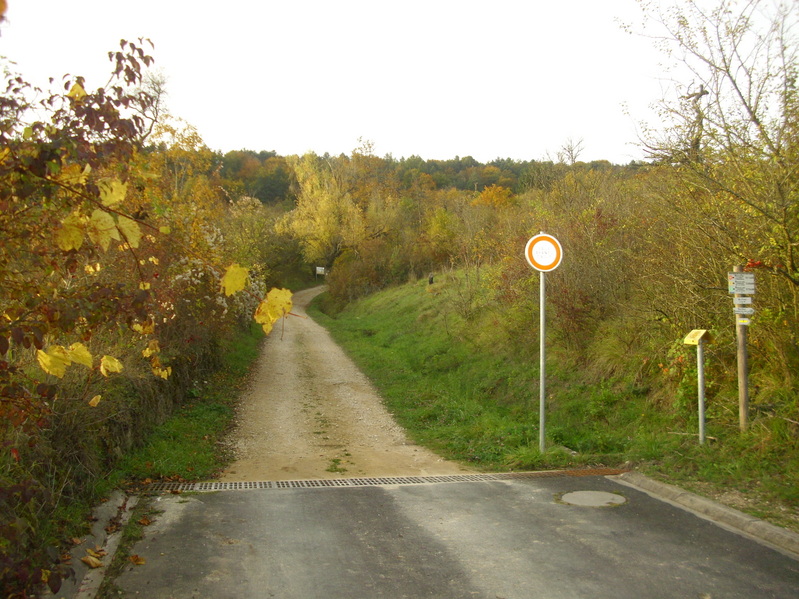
(593, 498)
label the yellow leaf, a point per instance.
(77, 92)
(152, 348)
(80, 354)
(110, 364)
(69, 235)
(91, 561)
(95, 400)
(112, 191)
(73, 174)
(145, 328)
(144, 286)
(54, 361)
(235, 279)
(276, 305)
(164, 373)
(102, 229)
(165, 230)
(130, 229)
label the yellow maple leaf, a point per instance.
(95, 400)
(277, 304)
(110, 364)
(145, 328)
(164, 373)
(112, 191)
(54, 360)
(73, 174)
(77, 92)
(152, 348)
(235, 279)
(130, 229)
(79, 353)
(102, 229)
(164, 230)
(69, 236)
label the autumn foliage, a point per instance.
(116, 288)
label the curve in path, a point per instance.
(310, 413)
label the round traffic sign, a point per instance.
(543, 252)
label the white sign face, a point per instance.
(741, 282)
(747, 311)
(543, 252)
(742, 300)
(320, 270)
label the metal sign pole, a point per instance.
(544, 253)
(542, 368)
(700, 366)
(741, 331)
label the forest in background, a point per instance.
(120, 229)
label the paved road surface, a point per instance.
(509, 539)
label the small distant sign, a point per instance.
(742, 300)
(741, 282)
(746, 311)
(320, 270)
(744, 321)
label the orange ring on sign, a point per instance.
(551, 262)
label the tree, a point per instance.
(732, 131)
(326, 219)
(570, 151)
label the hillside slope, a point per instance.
(463, 385)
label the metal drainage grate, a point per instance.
(172, 487)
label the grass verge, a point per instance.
(187, 446)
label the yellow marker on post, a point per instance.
(699, 337)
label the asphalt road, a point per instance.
(509, 539)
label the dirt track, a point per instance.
(310, 413)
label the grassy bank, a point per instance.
(185, 446)
(188, 445)
(461, 385)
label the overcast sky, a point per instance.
(434, 78)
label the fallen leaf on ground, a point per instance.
(145, 521)
(91, 561)
(137, 560)
(112, 528)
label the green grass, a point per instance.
(461, 386)
(186, 446)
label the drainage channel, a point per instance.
(211, 486)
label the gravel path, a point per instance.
(311, 414)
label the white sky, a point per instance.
(435, 78)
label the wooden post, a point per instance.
(741, 332)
